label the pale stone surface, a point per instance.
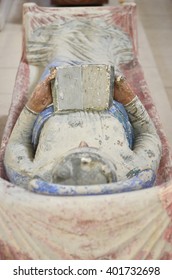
(146, 51)
(83, 227)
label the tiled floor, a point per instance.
(155, 50)
(156, 17)
(155, 43)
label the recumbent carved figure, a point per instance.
(83, 126)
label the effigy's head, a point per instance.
(84, 166)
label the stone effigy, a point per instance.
(125, 225)
(83, 142)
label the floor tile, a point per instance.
(160, 99)
(169, 93)
(154, 7)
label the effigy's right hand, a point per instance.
(41, 96)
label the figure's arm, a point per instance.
(147, 145)
(19, 154)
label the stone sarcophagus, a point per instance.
(135, 224)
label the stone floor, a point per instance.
(155, 54)
(156, 18)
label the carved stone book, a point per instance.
(83, 87)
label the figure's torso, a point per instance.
(63, 132)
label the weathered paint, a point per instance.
(134, 225)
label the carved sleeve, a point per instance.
(147, 145)
(19, 152)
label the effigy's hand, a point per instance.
(123, 93)
(41, 96)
